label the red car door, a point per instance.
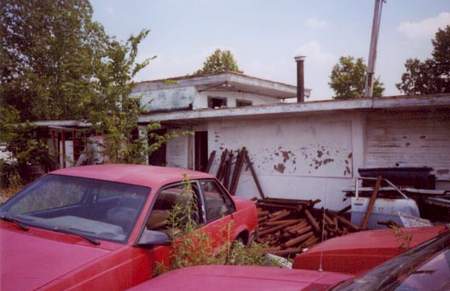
(213, 212)
(167, 198)
(218, 208)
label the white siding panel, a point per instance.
(410, 139)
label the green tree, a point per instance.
(48, 53)
(57, 63)
(348, 77)
(432, 75)
(114, 113)
(218, 62)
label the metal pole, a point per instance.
(300, 78)
(368, 90)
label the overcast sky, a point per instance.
(265, 35)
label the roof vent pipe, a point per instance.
(300, 78)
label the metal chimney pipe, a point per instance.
(300, 78)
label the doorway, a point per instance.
(201, 150)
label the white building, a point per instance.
(313, 150)
(211, 91)
(306, 150)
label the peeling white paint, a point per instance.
(297, 157)
(167, 99)
(296, 147)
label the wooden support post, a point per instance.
(221, 165)
(63, 141)
(54, 142)
(372, 200)
(237, 171)
(255, 178)
(210, 161)
(227, 171)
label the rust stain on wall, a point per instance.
(286, 155)
(279, 168)
(347, 171)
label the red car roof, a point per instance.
(142, 175)
(242, 278)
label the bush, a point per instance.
(191, 246)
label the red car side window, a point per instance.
(217, 203)
(167, 199)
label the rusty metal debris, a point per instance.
(288, 226)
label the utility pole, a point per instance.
(368, 90)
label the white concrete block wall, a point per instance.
(300, 157)
(313, 150)
(317, 156)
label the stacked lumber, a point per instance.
(231, 166)
(288, 226)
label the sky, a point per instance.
(266, 35)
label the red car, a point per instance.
(425, 267)
(359, 252)
(99, 227)
(242, 278)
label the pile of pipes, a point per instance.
(288, 226)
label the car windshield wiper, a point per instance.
(71, 231)
(16, 221)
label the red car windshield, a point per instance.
(93, 208)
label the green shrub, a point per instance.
(191, 246)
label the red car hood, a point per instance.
(30, 259)
(245, 278)
(381, 238)
(358, 252)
